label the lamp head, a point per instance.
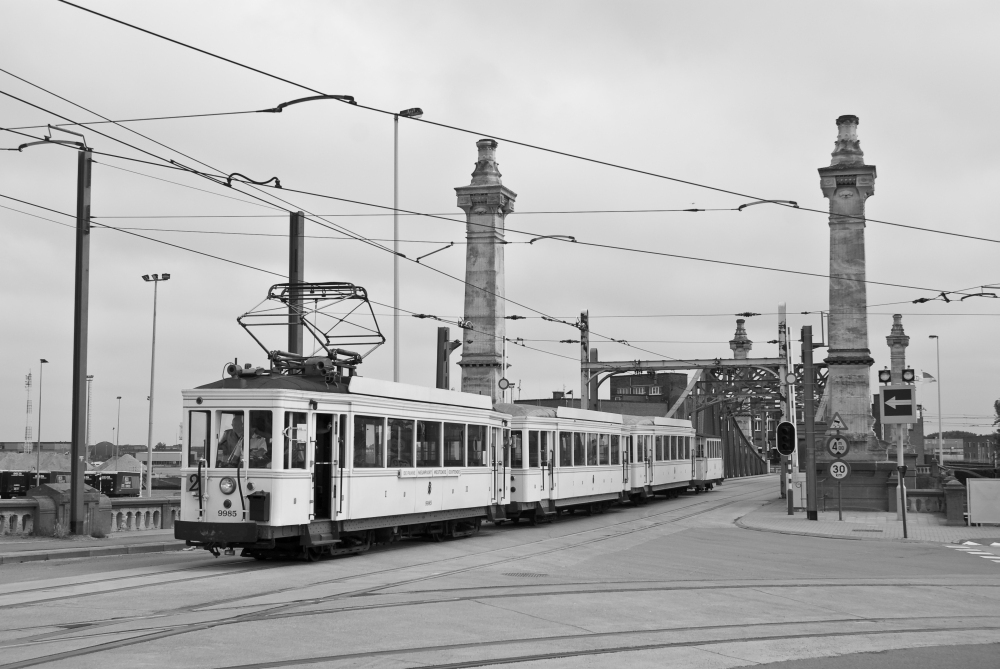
(164, 277)
(932, 336)
(43, 361)
(414, 112)
(145, 277)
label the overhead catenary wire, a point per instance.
(256, 186)
(525, 144)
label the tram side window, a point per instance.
(532, 448)
(543, 449)
(400, 443)
(615, 449)
(454, 445)
(477, 445)
(659, 447)
(673, 447)
(506, 448)
(428, 444)
(368, 441)
(579, 449)
(516, 449)
(199, 431)
(566, 449)
(295, 447)
(687, 448)
(591, 448)
(604, 448)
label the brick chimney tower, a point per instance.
(486, 203)
(847, 183)
(897, 341)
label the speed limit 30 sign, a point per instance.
(839, 469)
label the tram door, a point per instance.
(322, 474)
(498, 461)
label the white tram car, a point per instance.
(297, 465)
(659, 455)
(562, 459)
(707, 463)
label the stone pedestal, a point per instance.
(53, 509)
(954, 501)
(486, 202)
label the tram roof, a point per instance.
(534, 411)
(656, 420)
(356, 385)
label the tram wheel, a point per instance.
(533, 519)
(313, 554)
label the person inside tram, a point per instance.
(231, 446)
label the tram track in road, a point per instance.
(277, 610)
(590, 648)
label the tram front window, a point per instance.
(233, 450)
(199, 430)
(368, 441)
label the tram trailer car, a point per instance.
(562, 460)
(707, 463)
(659, 452)
(306, 465)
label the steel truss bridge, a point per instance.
(720, 395)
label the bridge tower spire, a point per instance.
(847, 183)
(486, 203)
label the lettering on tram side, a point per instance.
(425, 473)
(194, 483)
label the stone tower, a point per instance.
(741, 345)
(847, 183)
(897, 341)
(486, 202)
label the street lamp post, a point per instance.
(937, 346)
(155, 279)
(38, 456)
(90, 382)
(118, 430)
(414, 112)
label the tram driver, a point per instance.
(231, 445)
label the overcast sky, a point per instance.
(739, 96)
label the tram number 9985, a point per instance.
(231, 513)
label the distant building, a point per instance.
(984, 450)
(56, 446)
(663, 388)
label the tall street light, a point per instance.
(155, 279)
(937, 346)
(415, 112)
(90, 383)
(118, 430)
(38, 456)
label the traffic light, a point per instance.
(908, 376)
(884, 376)
(785, 436)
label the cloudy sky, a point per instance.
(734, 95)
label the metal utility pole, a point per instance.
(584, 359)
(592, 391)
(81, 314)
(118, 428)
(940, 439)
(38, 456)
(155, 280)
(296, 275)
(810, 425)
(786, 404)
(444, 349)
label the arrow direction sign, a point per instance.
(898, 405)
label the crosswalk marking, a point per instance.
(975, 549)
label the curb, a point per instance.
(96, 551)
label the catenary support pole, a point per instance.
(808, 417)
(78, 434)
(395, 248)
(152, 376)
(296, 275)
(584, 359)
(38, 454)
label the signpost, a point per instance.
(898, 406)
(837, 446)
(839, 470)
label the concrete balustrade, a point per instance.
(40, 515)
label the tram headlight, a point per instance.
(227, 485)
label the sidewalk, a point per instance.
(880, 526)
(28, 549)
